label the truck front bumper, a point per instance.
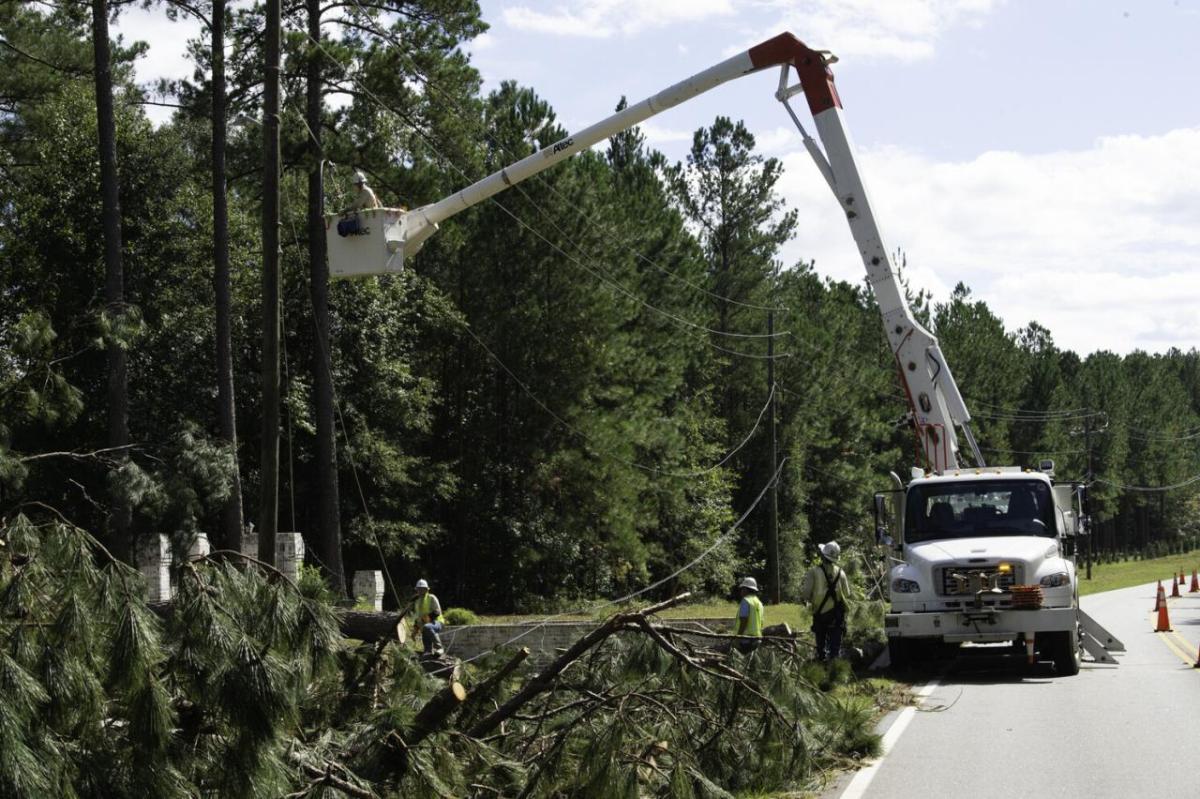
(985, 625)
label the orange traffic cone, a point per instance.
(1182, 578)
(1174, 587)
(1160, 598)
(1195, 589)
(1164, 621)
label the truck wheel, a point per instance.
(1064, 649)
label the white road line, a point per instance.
(862, 780)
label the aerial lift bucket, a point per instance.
(363, 243)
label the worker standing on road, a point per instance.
(750, 615)
(826, 587)
(364, 197)
(427, 618)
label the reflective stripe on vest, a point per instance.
(754, 620)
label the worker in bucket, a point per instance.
(427, 618)
(826, 587)
(750, 615)
(364, 197)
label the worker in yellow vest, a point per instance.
(827, 588)
(750, 615)
(427, 618)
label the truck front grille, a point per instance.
(948, 587)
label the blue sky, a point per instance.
(1045, 153)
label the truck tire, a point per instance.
(1065, 651)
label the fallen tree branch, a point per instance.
(488, 687)
(432, 717)
(79, 456)
(542, 680)
(326, 777)
(771, 635)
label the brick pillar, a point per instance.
(200, 547)
(368, 588)
(154, 562)
(289, 554)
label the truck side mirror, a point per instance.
(883, 534)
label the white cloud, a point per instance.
(905, 30)
(601, 19)
(1100, 245)
(776, 140)
(167, 54)
(482, 42)
(657, 135)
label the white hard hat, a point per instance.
(359, 177)
(422, 584)
(830, 551)
(749, 583)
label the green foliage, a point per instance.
(459, 616)
(538, 412)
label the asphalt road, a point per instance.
(987, 729)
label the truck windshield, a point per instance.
(978, 508)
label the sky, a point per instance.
(1046, 153)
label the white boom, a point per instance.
(381, 239)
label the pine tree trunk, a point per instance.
(231, 514)
(269, 494)
(328, 520)
(120, 521)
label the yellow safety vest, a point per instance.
(754, 622)
(424, 609)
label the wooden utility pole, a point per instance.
(773, 502)
(121, 519)
(231, 514)
(328, 519)
(268, 514)
(1087, 444)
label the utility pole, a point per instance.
(329, 531)
(121, 518)
(1087, 444)
(268, 508)
(773, 502)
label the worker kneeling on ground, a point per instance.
(750, 615)
(826, 587)
(427, 618)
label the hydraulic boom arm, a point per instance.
(933, 396)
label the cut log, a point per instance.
(369, 626)
(433, 716)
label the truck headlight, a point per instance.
(1056, 580)
(903, 586)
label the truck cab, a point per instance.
(984, 556)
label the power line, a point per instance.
(602, 451)
(616, 286)
(663, 581)
(1080, 412)
(1150, 489)
(1035, 451)
(590, 221)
